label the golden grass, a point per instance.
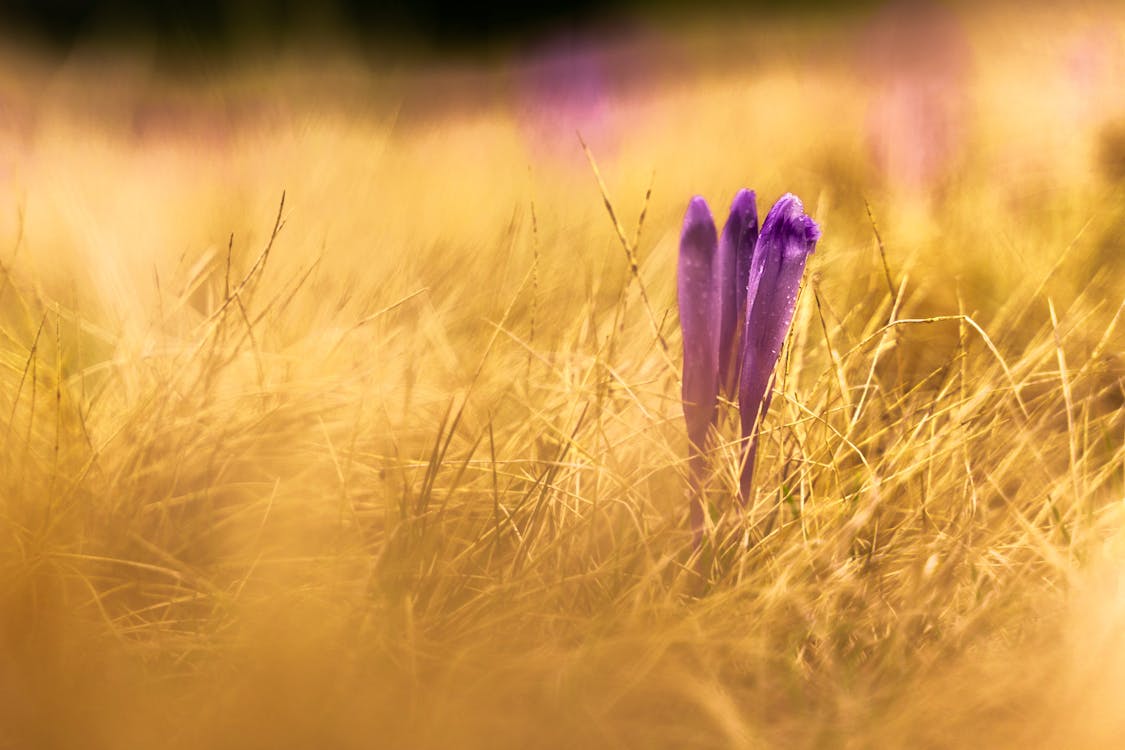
(405, 466)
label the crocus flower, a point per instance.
(736, 248)
(699, 301)
(712, 287)
(736, 297)
(787, 239)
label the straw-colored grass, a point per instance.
(400, 463)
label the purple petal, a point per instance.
(736, 248)
(788, 237)
(699, 319)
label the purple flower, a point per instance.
(787, 239)
(700, 303)
(736, 249)
(736, 297)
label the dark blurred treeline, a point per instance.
(220, 27)
(221, 22)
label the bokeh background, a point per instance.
(333, 412)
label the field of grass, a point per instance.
(398, 460)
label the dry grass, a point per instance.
(405, 467)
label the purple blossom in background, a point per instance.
(1093, 67)
(787, 239)
(915, 57)
(736, 298)
(597, 84)
(563, 87)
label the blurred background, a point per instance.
(218, 27)
(979, 107)
(269, 528)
